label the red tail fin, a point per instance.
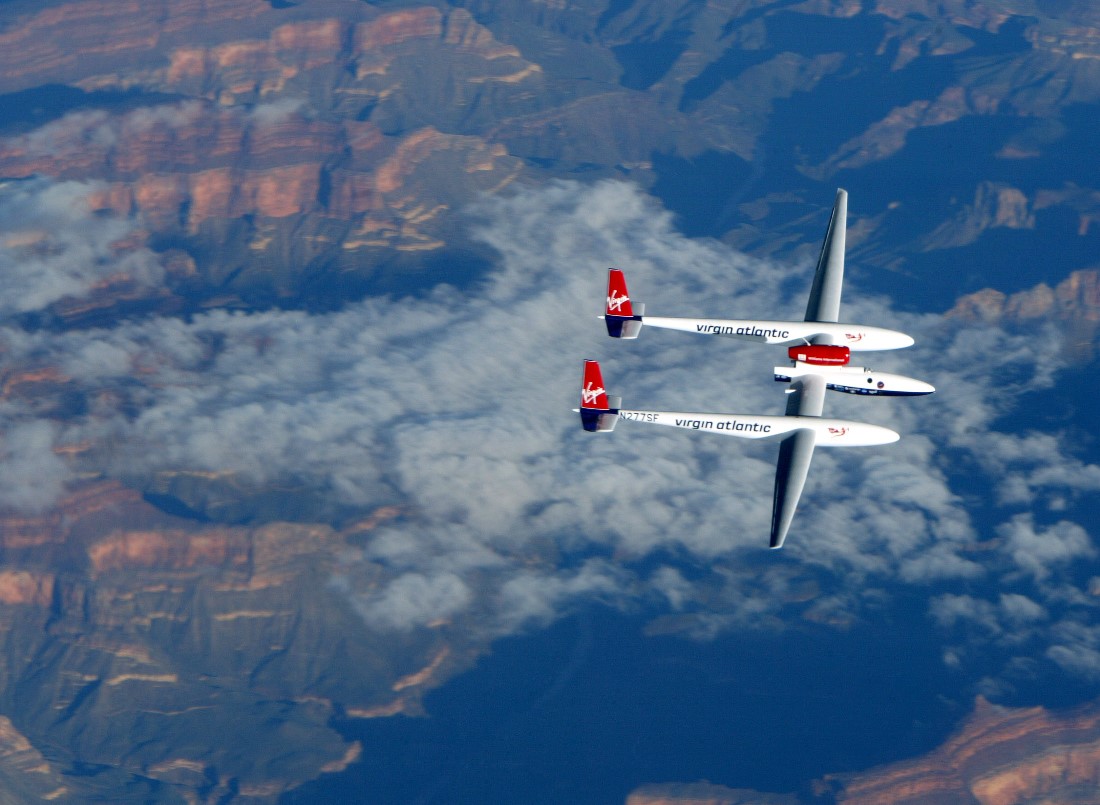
(593, 396)
(618, 300)
(599, 411)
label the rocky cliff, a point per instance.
(999, 756)
(703, 793)
(327, 147)
(167, 659)
(1073, 303)
(252, 148)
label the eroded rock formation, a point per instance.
(149, 635)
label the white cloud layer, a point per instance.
(458, 406)
(53, 245)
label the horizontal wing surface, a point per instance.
(791, 470)
(824, 304)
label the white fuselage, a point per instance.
(857, 380)
(857, 337)
(827, 432)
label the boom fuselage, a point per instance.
(857, 337)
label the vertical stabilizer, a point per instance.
(623, 317)
(618, 299)
(593, 395)
(599, 412)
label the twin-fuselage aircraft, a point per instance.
(819, 349)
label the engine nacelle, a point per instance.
(820, 354)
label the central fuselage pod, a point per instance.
(830, 363)
(857, 380)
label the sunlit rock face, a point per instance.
(263, 143)
(311, 146)
(1074, 303)
(148, 637)
(1000, 756)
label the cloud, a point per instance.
(1036, 550)
(1007, 618)
(275, 112)
(951, 610)
(671, 584)
(92, 128)
(456, 405)
(55, 246)
(1021, 610)
(32, 477)
(95, 133)
(533, 598)
(1076, 648)
(413, 598)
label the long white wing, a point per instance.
(824, 304)
(791, 470)
(807, 396)
(806, 399)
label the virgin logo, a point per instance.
(837, 431)
(854, 336)
(616, 302)
(589, 395)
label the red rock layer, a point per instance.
(26, 587)
(54, 42)
(84, 506)
(251, 147)
(182, 166)
(139, 610)
(1074, 302)
(703, 793)
(172, 549)
(1001, 756)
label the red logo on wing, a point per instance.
(837, 432)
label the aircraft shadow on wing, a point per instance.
(819, 349)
